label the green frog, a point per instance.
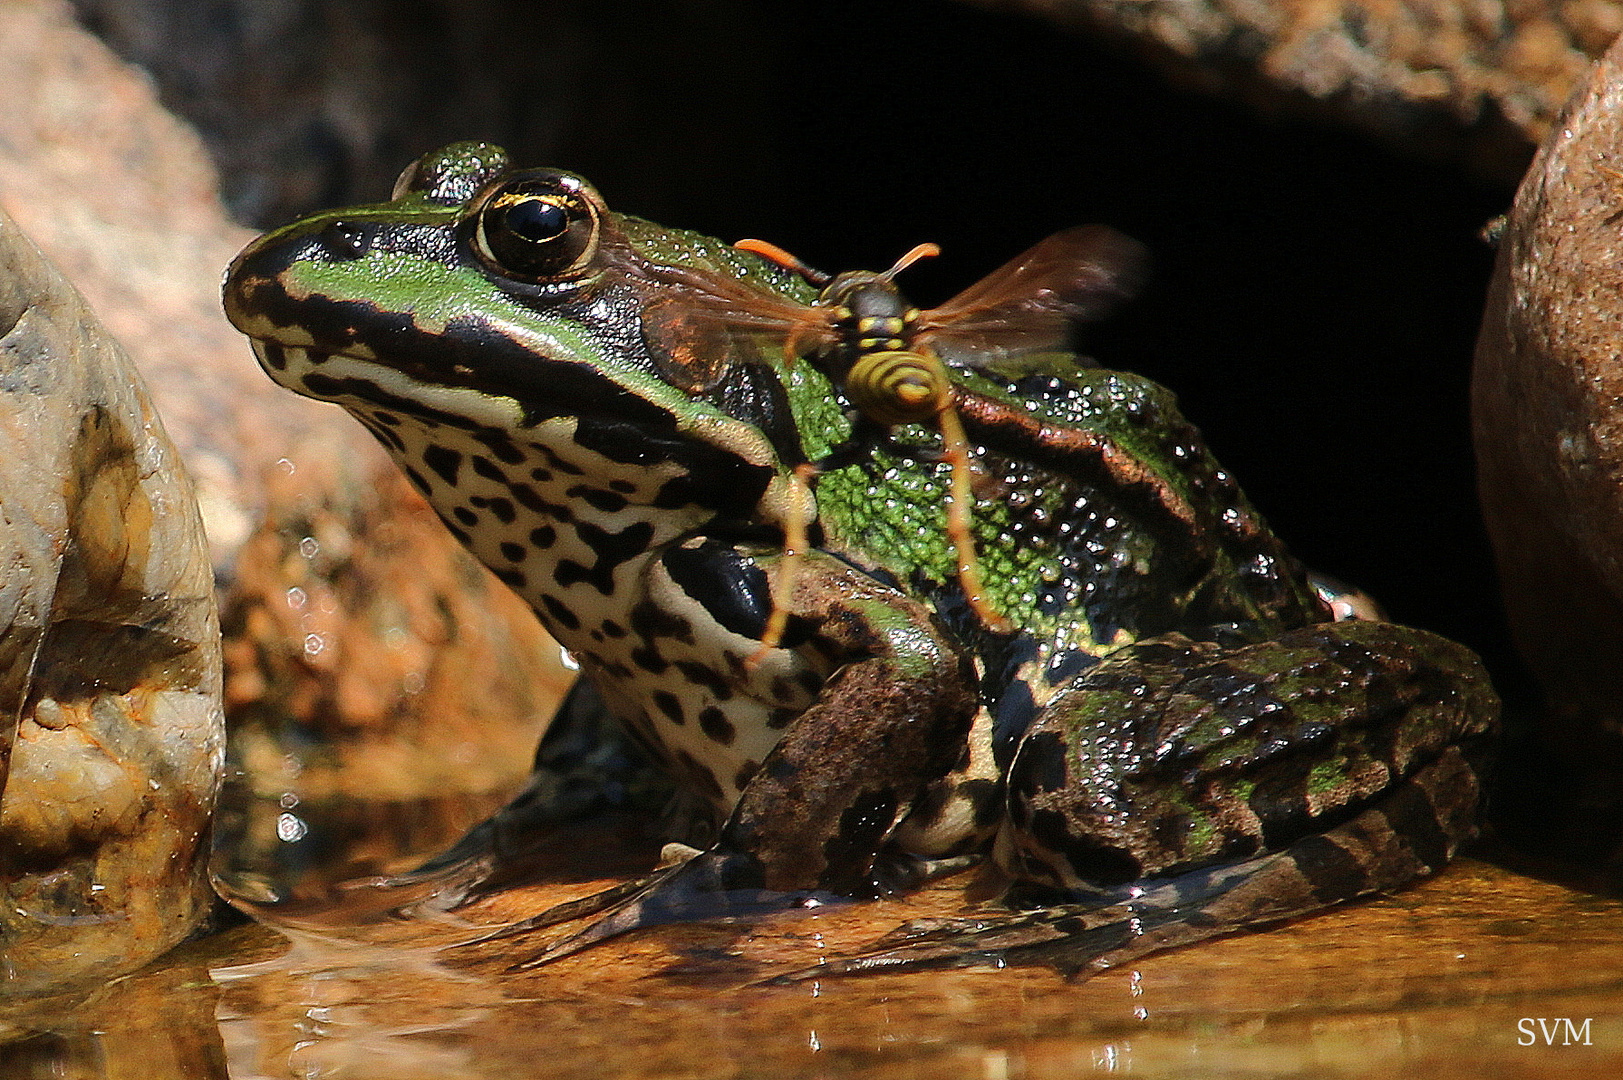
(1149, 720)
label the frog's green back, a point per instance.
(1077, 563)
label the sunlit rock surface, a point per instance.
(1478, 81)
(354, 623)
(1548, 416)
(111, 733)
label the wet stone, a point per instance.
(111, 729)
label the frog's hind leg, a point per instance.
(1411, 833)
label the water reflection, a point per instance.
(158, 1023)
(279, 849)
(337, 1007)
(346, 989)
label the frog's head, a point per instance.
(483, 303)
(475, 281)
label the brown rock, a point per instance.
(1548, 416)
(1482, 80)
(112, 737)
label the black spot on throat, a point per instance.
(667, 703)
(564, 617)
(608, 502)
(714, 723)
(487, 468)
(611, 550)
(443, 460)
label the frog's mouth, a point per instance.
(459, 395)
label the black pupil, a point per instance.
(536, 220)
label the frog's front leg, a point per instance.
(893, 718)
(1181, 790)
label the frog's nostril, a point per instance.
(346, 240)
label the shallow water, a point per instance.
(1447, 979)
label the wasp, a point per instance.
(888, 357)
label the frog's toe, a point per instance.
(994, 940)
(565, 912)
(710, 886)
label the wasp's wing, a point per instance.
(696, 323)
(1030, 303)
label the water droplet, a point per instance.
(290, 828)
(288, 800)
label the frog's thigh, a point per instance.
(886, 724)
(1173, 754)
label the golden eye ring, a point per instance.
(542, 226)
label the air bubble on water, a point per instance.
(309, 547)
(314, 644)
(290, 828)
(297, 598)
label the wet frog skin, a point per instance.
(1173, 740)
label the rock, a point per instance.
(1476, 81)
(296, 499)
(1548, 419)
(110, 716)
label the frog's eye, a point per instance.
(539, 229)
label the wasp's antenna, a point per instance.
(920, 251)
(774, 254)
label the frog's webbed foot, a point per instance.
(1411, 833)
(995, 939)
(711, 886)
(1076, 939)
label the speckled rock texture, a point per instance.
(1479, 79)
(1548, 416)
(112, 738)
